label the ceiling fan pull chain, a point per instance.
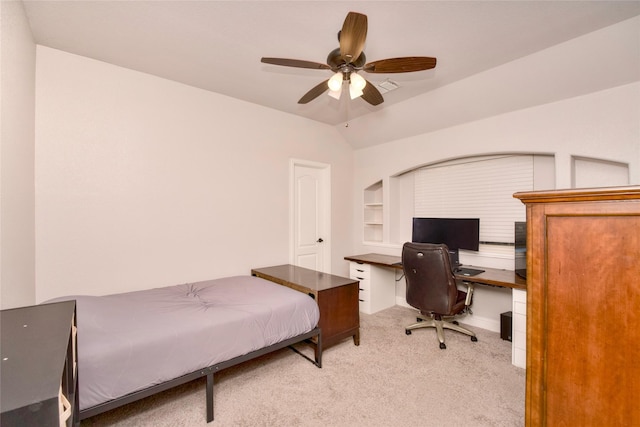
(347, 121)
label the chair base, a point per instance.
(440, 325)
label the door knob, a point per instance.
(320, 240)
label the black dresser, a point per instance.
(39, 370)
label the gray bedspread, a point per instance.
(130, 341)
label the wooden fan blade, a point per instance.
(315, 92)
(353, 36)
(295, 63)
(372, 95)
(401, 65)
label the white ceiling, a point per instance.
(217, 45)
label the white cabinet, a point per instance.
(519, 329)
(377, 286)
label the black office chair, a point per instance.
(432, 289)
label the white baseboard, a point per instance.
(468, 319)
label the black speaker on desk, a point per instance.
(505, 325)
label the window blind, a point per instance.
(478, 187)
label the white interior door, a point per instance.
(310, 215)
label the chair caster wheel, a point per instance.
(474, 339)
(455, 322)
(407, 331)
(419, 319)
(443, 346)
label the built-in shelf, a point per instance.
(373, 219)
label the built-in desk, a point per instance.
(490, 276)
(375, 272)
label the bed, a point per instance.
(132, 345)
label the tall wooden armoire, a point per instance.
(583, 307)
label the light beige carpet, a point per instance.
(391, 379)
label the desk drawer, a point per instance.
(364, 295)
(359, 271)
(364, 306)
(365, 284)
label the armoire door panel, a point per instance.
(589, 313)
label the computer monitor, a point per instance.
(456, 233)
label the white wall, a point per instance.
(600, 125)
(17, 116)
(144, 182)
(597, 61)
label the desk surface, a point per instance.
(490, 276)
(311, 279)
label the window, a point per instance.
(477, 187)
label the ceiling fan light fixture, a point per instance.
(357, 81)
(335, 94)
(354, 92)
(335, 82)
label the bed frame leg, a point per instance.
(318, 352)
(209, 397)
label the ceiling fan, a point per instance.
(348, 59)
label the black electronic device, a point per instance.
(456, 233)
(520, 232)
(506, 325)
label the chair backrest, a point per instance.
(431, 284)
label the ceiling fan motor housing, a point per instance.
(335, 61)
